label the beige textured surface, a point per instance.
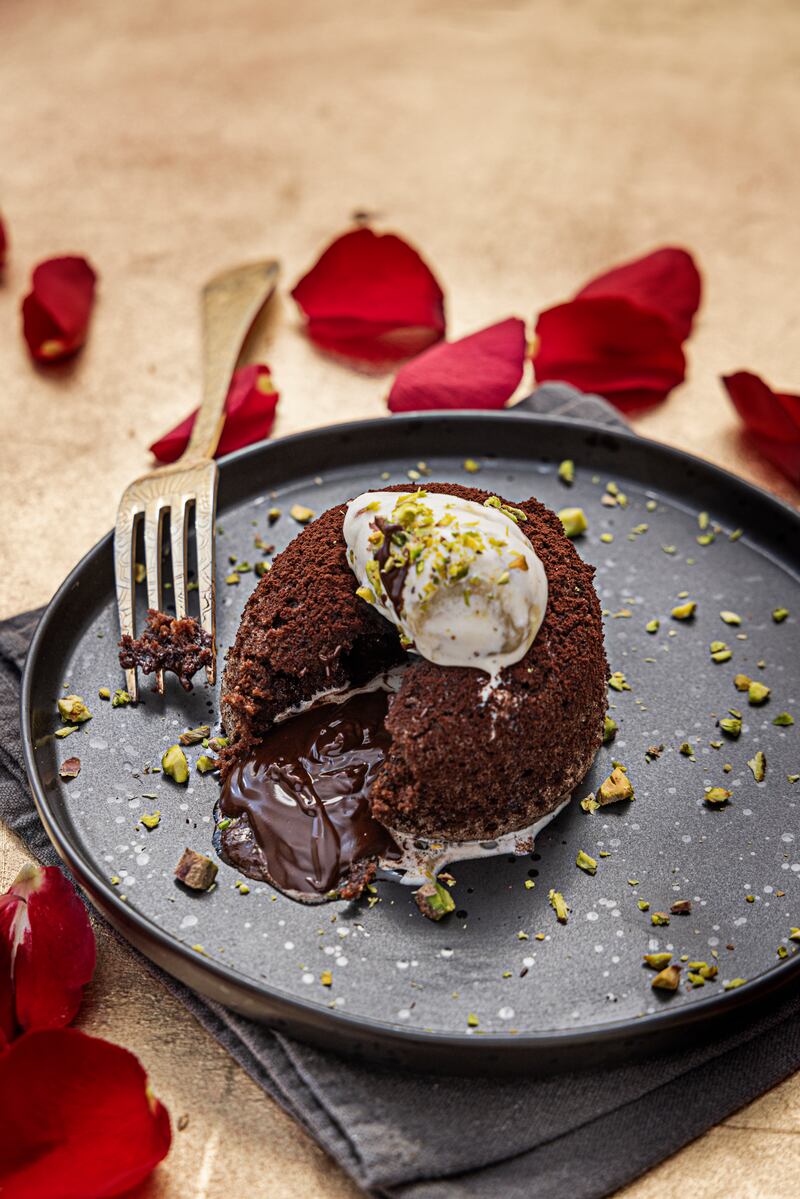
(523, 146)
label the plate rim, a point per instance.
(305, 1017)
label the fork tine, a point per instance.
(178, 519)
(128, 516)
(153, 530)
(205, 516)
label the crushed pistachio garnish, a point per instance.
(194, 736)
(65, 730)
(653, 752)
(717, 796)
(652, 626)
(794, 934)
(104, 692)
(301, 514)
(262, 567)
(779, 614)
(590, 804)
(515, 514)
(574, 521)
(566, 472)
(273, 515)
(232, 580)
(617, 787)
(657, 961)
(586, 863)
(783, 952)
(226, 822)
(659, 918)
(643, 905)
(470, 466)
(733, 983)
(667, 979)
(434, 900)
(705, 538)
(174, 763)
(242, 887)
(73, 710)
(472, 1020)
(730, 617)
(151, 821)
(686, 749)
(206, 764)
(70, 768)
(758, 765)
(618, 681)
(651, 505)
(684, 611)
(757, 694)
(742, 682)
(326, 978)
(783, 720)
(610, 729)
(731, 726)
(121, 698)
(681, 907)
(607, 538)
(559, 906)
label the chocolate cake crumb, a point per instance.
(180, 646)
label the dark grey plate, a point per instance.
(403, 988)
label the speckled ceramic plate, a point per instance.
(499, 984)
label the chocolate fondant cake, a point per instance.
(454, 752)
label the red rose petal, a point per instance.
(611, 347)
(249, 416)
(479, 371)
(622, 334)
(78, 1119)
(666, 282)
(55, 315)
(370, 296)
(771, 418)
(49, 948)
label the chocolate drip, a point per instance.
(304, 797)
(393, 577)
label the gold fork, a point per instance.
(230, 304)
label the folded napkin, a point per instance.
(416, 1136)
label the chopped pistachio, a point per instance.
(262, 567)
(472, 1020)
(633, 882)
(151, 822)
(758, 765)
(793, 778)
(681, 907)
(226, 822)
(515, 514)
(66, 729)
(783, 952)
(652, 626)
(529, 884)
(559, 906)
(617, 787)
(70, 768)
(779, 614)
(730, 617)
(73, 710)
(657, 961)
(757, 694)
(121, 698)
(366, 594)
(731, 726)
(232, 580)
(705, 538)
(794, 934)
(301, 514)
(659, 918)
(434, 901)
(326, 978)
(702, 520)
(783, 720)
(104, 692)
(609, 729)
(651, 505)
(695, 979)
(194, 736)
(206, 764)
(195, 870)
(586, 863)
(273, 515)
(175, 764)
(618, 681)
(684, 611)
(722, 655)
(590, 804)
(686, 749)
(607, 538)
(643, 905)
(566, 472)
(717, 796)
(217, 743)
(574, 521)
(716, 646)
(742, 682)
(735, 535)
(668, 979)
(471, 466)
(242, 888)
(733, 983)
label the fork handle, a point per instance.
(230, 303)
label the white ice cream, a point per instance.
(460, 580)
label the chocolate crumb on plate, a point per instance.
(180, 646)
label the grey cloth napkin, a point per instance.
(414, 1136)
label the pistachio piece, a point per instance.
(731, 726)
(681, 907)
(730, 617)
(586, 863)
(607, 538)
(618, 682)
(73, 710)
(733, 983)
(104, 693)
(66, 730)
(651, 505)
(217, 743)
(758, 765)
(590, 804)
(434, 900)
(472, 1020)
(783, 720)
(121, 698)
(195, 736)
(643, 905)
(471, 466)
(566, 472)
(574, 521)
(742, 682)
(757, 694)
(684, 611)
(668, 979)
(686, 749)
(559, 906)
(326, 978)
(722, 655)
(262, 567)
(717, 796)
(652, 626)
(659, 918)
(273, 515)
(206, 764)
(779, 615)
(301, 514)
(695, 979)
(195, 870)
(151, 822)
(232, 580)
(794, 934)
(174, 763)
(609, 729)
(617, 787)
(70, 768)
(657, 961)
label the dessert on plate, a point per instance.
(420, 678)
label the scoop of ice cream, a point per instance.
(460, 580)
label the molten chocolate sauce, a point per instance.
(304, 796)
